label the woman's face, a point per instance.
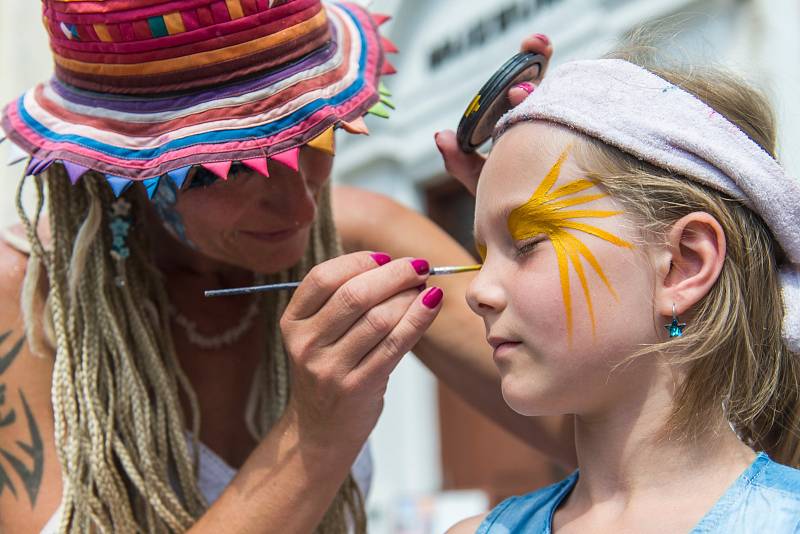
(251, 221)
(566, 287)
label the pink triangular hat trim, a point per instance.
(220, 168)
(388, 69)
(388, 46)
(289, 158)
(258, 165)
(74, 171)
(380, 18)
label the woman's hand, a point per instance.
(345, 330)
(466, 168)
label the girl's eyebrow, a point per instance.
(501, 214)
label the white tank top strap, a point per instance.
(214, 475)
(15, 240)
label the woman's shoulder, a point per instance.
(371, 221)
(13, 264)
(29, 468)
(361, 216)
(528, 512)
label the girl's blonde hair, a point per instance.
(119, 430)
(735, 360)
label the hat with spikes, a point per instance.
(149, 88)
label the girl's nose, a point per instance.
(485, 295)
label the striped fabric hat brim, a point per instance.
(142, 137)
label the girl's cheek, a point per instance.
(539, 300)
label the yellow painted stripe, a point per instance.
(196, 60)
(102, 32)
(235, 9)
(174, 23)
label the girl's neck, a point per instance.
(624, 452)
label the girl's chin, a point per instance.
(528, 402)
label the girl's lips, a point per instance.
(273, 237)
(502, 349)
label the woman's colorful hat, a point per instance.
(148, 88)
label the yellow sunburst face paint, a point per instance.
(546, 212)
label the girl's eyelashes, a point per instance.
(527, 246)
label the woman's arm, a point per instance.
(286, 481)
(30, 476)
(454, 348)
(345, 329)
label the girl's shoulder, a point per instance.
(766, 498)
(530, 512)
(779, 478)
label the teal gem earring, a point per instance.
(675, 329)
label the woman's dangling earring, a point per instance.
(120, 226)
(675, 328)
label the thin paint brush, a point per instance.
(436, 271)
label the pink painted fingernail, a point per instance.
(433, 297)
(421, 266)
(528, 87)
(422, 287)
(543, 38)
(380, 258)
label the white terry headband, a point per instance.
(646, 116)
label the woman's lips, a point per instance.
(272, 237)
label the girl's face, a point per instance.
(566, 286)
(250, 221)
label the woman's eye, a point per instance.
(202, 178)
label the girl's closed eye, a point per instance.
(527, 246)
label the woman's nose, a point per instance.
(485, 295)
(288, 194)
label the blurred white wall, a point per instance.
(24, 61)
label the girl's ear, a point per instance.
(690, 265)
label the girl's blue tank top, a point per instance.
(764, 499)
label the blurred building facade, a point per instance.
(427, 441)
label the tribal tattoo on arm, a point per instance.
(27, 458)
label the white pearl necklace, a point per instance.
(224, 339)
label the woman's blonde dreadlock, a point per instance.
(119, 429)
